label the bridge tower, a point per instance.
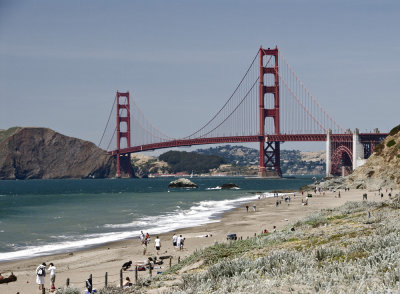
(269, 150)
(123, 132)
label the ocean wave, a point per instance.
(214, 188)
(198, 214)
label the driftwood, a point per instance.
(10, 279)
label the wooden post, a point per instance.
(136, 274)
(170, 262)
(255, 235)
(179, 259)
(150, 271)
(67, 283)
(120, 278)
(106, 280)
(241, 238)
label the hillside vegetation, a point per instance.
(191, 161)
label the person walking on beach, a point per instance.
(141, 237)
(247, 208)
(157, 244)
(174, 240)
(254, 207)
(52, 270)
(40, 274)
(179, 242)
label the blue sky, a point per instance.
(61, 62)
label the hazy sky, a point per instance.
(61, 62)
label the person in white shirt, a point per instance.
(157, 243)
(179, 242)
(52, 270)
(174, 239)
(40, 274)
(141, 237)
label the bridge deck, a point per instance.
(365, 137)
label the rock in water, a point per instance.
(182, 183)
(41, 153)
(229, 186)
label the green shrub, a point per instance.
(398, 155)
(394, 131)
(390, 143)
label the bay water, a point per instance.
(40, 217)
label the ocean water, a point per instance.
(39, 217)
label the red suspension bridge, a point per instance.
(270, 105)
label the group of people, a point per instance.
(254, 208)
(178, 242)
(145, 240)
(41, 272)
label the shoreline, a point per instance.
(109, 257)
(216, 217)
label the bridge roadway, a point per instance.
(364, 137)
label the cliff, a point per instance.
(41, 153)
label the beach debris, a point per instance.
(182, 183)
(229, 186)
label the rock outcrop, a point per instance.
(41, 153)
(229, 186)
(182, 183)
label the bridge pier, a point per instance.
(358, 150)
(328, 153)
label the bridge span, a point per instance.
(269, 106)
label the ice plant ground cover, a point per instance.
(351, 249)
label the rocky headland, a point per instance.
(41, 153)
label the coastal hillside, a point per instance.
(41, 153)
(292, 161)
(226, 160)
(382, 169)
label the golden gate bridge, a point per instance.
(270, 105)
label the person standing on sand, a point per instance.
(157, 244)
(144, 246)
(40, 274)
(141, 237)
(52, 270)
(247, 208)
(254, 207)
(178, 242)
(174, 239)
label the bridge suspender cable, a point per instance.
(230, 98)
(308, 92)
(109, 117)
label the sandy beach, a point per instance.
(77, 266)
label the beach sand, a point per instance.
(77, 266)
